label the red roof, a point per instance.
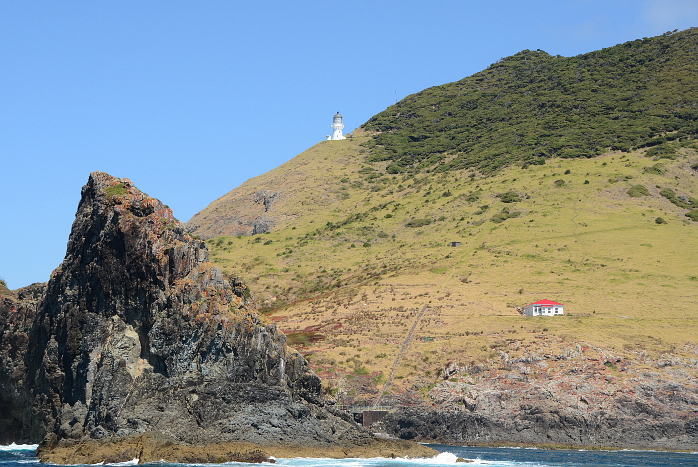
(547, 303)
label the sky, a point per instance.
(190, 99)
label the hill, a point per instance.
(534, 106)
(356, 254)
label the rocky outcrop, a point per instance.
(609, 403)
(138, 334)
(245, 214)
(151, 448)
(17, 314)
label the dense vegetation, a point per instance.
(533, 106)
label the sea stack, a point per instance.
(139, 337)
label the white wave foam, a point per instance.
(19, 447)
(133, 461)
(443, 458)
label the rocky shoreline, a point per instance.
(155, 447)
(549, 430)
(612, 404)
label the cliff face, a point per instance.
(581, 398)
(139, 333)
(17, 314)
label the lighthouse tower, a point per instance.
(337, 126)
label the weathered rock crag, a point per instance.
(475, 405)
(247, 214)
(138, 334)
(17, 314)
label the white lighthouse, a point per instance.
(337, 126)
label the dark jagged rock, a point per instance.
(17, 314)
(643, 412)
(138, 334)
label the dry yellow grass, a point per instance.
(351, 276)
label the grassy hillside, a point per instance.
(295, 191)
(346, 282)
(569, 179)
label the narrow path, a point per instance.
(401, 353)
(410, 335)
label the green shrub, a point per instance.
(660, 220)
(692, 214)
(663, 151)
(116, 190)
(418, 222)
(509, 197)
(657, 169)
(688, 203)
(638, 191)
(482, 210)
(499, 218)
(659, 140)
(504, 215)
(667, 193)
(474, 196)
(394, 168)
(302, 338)
(560, 183)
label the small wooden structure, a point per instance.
(373, 416)
(367, 415)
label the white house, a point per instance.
(544, 308)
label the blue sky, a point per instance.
(190, 99)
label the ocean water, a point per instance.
(20, 455)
